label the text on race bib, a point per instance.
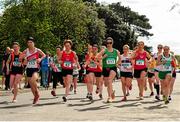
(92, 65)
(140, 62)
(16, 63)
(67, 64)
(32, 64)
(110, 61)
(125, 64)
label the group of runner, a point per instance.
(101, 69)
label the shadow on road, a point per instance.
(44, 104)
(48, 98)
(135, 104)
(93, 108)
(16, 106)
(4, 102)
(159, 106)
(72, 105)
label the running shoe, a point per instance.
(169, 98)
(166, 102)
(141, 98)
(97, 90)
(87, 96)
(109, 100)
(152, 94)
(14, 101)
(157, 97)
(127, 94)
(74, 91)
(124, 99)
(90, 97)
(64, 99)
(53, 93)
(100, 96)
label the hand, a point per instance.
(104, 56)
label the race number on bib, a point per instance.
(67, 64)
(140, 62)
(16, 63)
(167, 67)
(110, 61)
(92, 65)
(32, 64)
(125, 64)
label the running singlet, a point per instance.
(167, 66)
(140, 61)
(67, 60)
(93, 66)
(15, 63)
(32, 59)
(156, 57)
(125, 63)
(110, 60)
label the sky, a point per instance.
(165, 23)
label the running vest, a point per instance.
(32, 58)
(111, 58)
(156, 57)
(93, 66)
(168, 65)
(125, 63)
(56, 65)
(15, 63)
(140, 60)
(67, 60)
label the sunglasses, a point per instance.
(109, 43)
(159, 47)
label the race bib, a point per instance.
(167, 67)
(67, 64)
(110, 61)
(92, 65)
(16, 64)
(140, 62)
(32, 64)
(126, 64)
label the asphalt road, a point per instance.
(78, 108)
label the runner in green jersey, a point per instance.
(111, 58)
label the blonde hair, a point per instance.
(125, 46)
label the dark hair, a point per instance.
(59, 46)
(68, 41)
(16, 43)
(30, 39)
(109, 38)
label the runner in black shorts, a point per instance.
(126, 69)
(31, 55)
(94, 72)
(111, 59)
(68, 57)
(16, 69)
